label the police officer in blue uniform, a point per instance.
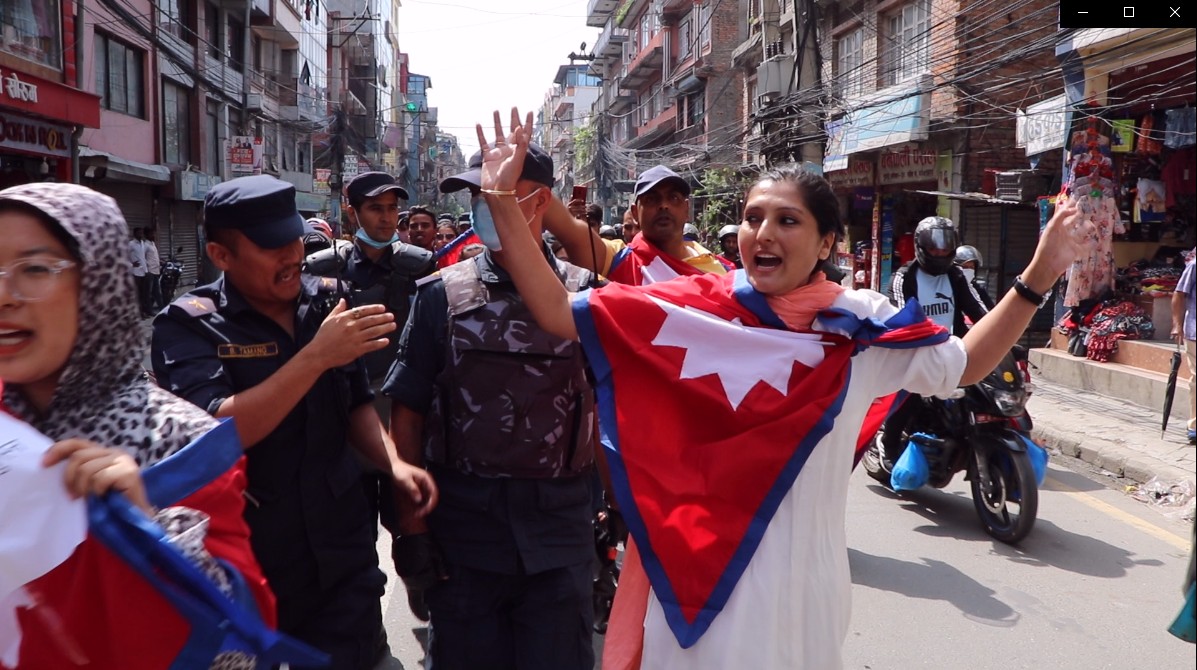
(278, 352)
(377, 267)
(502, 414)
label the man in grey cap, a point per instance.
(267, 347)
(659, 252)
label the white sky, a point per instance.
(484, 55)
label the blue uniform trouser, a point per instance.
(489, 621)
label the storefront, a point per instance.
(37, 120)
(878, 159)
(1130, 144)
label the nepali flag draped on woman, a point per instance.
(730, 438)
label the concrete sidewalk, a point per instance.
(1111, 434)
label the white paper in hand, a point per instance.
(40, 524)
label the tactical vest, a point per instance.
(407, 264)
(511, 400)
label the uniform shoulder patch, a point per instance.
(195, 305)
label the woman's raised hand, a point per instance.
(1066, 238)
(503, 162)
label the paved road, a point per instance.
(1095, 585)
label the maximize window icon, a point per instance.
(1128, 12)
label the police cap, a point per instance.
(538, 167)
(260, 206)
(371, 185)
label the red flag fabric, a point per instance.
(709, 409)
(100, 610)
(641, 263)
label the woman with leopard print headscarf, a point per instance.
(71, 345)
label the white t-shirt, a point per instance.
(137, 257)
(153, 263)
(791, 607)
(936, 298)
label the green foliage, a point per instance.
(718, 201)
(584, 149)
(622, 12)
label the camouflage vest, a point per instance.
(511, 400)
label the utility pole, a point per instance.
(337, 145)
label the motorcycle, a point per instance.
(609, 532)
(982, 430)
(172, 271)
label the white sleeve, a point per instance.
(934, 370)
(931, 370)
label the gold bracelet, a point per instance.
(491, 191)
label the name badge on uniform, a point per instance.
(264, 350)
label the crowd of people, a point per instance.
(485, 410)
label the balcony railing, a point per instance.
(647, 64)
(610, 42)
(598, 11)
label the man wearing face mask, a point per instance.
(378, 268)
(502, 414)
(969, 260)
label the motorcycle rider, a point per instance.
(946, 297)
(969, 260)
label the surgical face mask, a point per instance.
(366, 239)
(969, 273)
(484, 223)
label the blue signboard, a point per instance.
(894, 121)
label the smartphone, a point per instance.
(580, 193)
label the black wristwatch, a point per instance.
(1029, 294)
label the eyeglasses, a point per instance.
(654, 199)
(448, 237)
(32, 279)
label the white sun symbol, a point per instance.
(742, 356)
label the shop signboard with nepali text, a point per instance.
(858, 174)
(907, 164)
(1043, 127)
(36, 137)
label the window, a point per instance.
(212, 138)
(908, 49)
(236, 42)
(754, 17)
(176, 124)
(213, 42)
(704, 37)
(30, 30)
(849, 63)
(685, 41)
(119, 76)
(692, 109)
(174, 19)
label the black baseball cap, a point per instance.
(538, 167)
(260, 206)
(650, 178)
(371, 185)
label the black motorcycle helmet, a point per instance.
(935, 242)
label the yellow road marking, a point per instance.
(1182, 543)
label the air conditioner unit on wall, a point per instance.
(253, 102)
